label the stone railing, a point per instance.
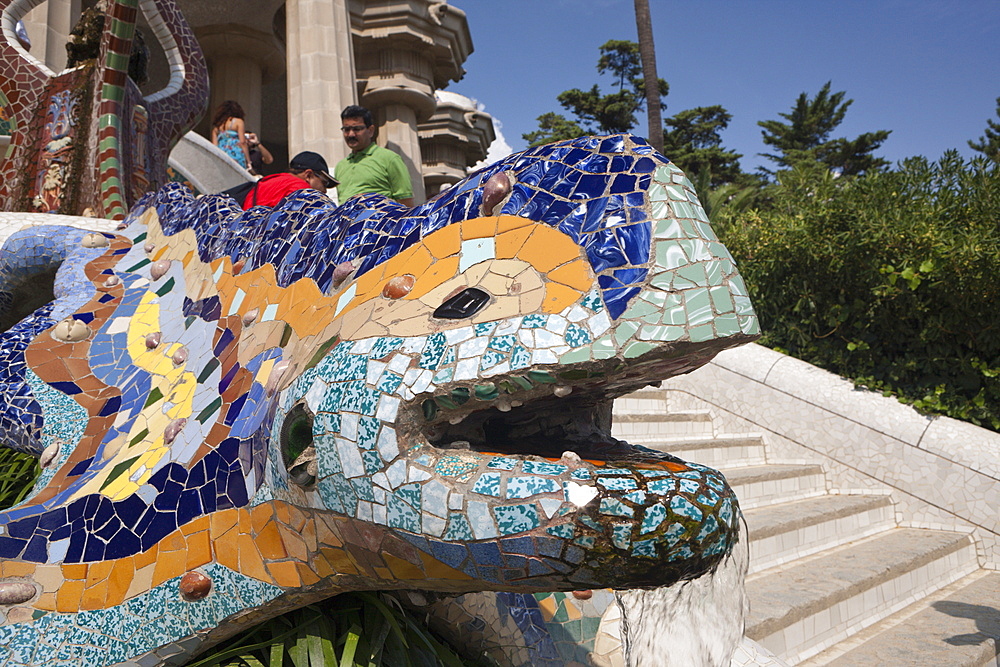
(942, 473)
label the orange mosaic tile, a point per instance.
(295, 545)
(509, 244)
(260, 516)
(170, 564)
(441, 244)
(251, 564)
(402, 569)
(548, 606)
(227, 550)
(118, 582)
(285, 573)
(576, 274)
(269, 542)
(9, 568)
(340, 561)
(199, 550)
(477, 228)
(441, 271)
(69, 596)
(97, 573)
(45, 602)
(557, 296)
(506, 223)
(144, 558)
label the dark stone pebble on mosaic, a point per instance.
(195, 586)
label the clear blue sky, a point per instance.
(927, 70)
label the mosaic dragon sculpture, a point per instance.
(86, 140)
(238, 413)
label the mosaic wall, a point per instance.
(254, 410)
(6, 122)
(86, 140)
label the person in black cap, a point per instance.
(306, 170)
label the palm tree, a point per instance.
(647, 53)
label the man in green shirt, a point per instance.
(369, 167)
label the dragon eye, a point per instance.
(297, 449)
(466, 303)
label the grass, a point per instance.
(18, 472)
(350, 630)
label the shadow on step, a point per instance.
(987, 620)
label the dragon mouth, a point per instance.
(522, 416)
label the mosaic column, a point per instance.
(320, 76)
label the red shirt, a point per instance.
(272, 189)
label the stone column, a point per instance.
(236, 78)
(397, 131)
(240, 60)
(48, 27)
(404, 50)
(455, 138)
(320, 76)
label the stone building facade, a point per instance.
(295, 64)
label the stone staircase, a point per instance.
(834, 579)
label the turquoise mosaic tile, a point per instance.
(615, 507)
(502, 463)
(525, 487)
(617, 483)
(565, 531)
(488, 484)
(512, 519)
(684, 507)
(458, 529)
(541, 468)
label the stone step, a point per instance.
(661, 425)
(746, 450)
(784, 532)
(959, 626)
(760, 485)
(803, 608)
(648, 400)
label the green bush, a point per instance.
(891, 279)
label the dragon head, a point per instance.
(287, 403)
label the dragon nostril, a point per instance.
(466, 303)
(297, 449)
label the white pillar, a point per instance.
(398, 132)
(321, 78)
(236, 78)
(48, 27)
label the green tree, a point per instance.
(692, 141)
(886, 279)
(553, 127)
(989, 143)
(806, 136)
(595, 112)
